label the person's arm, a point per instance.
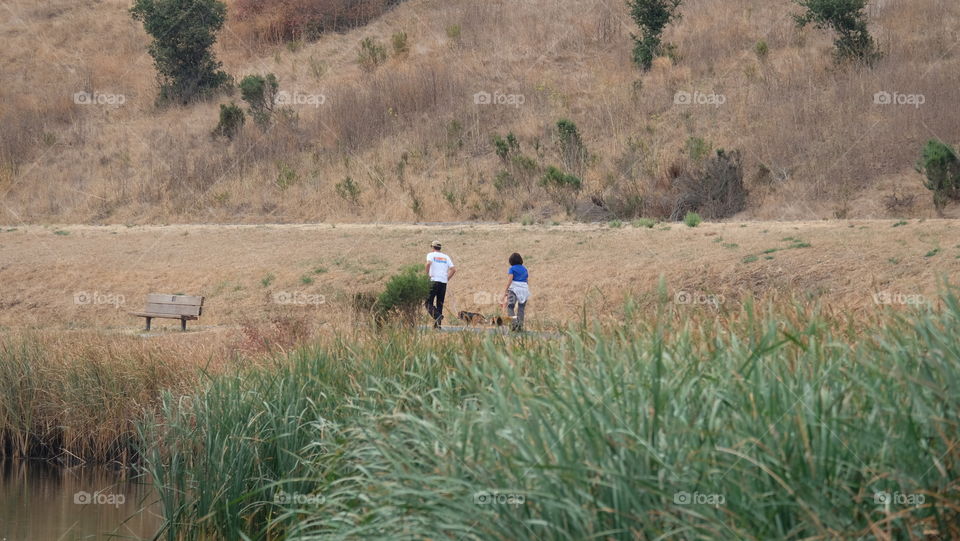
(427, 268)
(506, 291)
(450, 272)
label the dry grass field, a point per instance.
(410, 135)
(88, 277)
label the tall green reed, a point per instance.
(749, 427)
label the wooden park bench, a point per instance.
(165, 306)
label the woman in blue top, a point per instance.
(517, 292)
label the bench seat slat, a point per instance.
(172, 309)
(163, 298)
(161, 316)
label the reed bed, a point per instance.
(75, 397)
(782, 425)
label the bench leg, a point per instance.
(148, 323)
(183, 324)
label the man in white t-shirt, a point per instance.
(440, 269)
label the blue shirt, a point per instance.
(519, 273)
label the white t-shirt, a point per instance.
(440, 264)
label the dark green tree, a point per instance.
(183, 33)
(652, 16)
(940, 165)
(848, 20)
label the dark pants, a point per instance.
(438, 291)
(512, 301)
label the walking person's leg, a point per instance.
(441, 295)
(429, 303)
(521, 310)
(511, 303)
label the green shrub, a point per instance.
(231, 121)
(555, 178)
(652, 16)
(698, 149)
(692, 219)
(372, 54)
(348, 190)
(401, 44)
(454, 32)
(286, 176)
(404, 294)
(260, 93)
(644, 222)
(762, 49)
(940, 165)
(847, 19)
(183, 36)
(570, 145)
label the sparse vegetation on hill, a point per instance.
(411, 121)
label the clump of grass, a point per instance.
(306, 279)
(61, 232)
(900, 223)
(932, 253)
(692, 219)
(644, 222)
(267, 280)
(750, 259)
(615, 224)
(730, 245)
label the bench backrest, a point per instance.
(174, 305)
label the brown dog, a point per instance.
(472, 318)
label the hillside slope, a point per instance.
(416, 144)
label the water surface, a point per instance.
(41, 502)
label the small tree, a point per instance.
(940, 165)
(652, 16)
(231, 120)
(848, 20)
(183, 33)
(260, 93)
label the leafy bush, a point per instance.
(652, 16)
(231, 121)
(348, 190)
(260, 93)
(762, 49)
(847, 19)
(692, 219)
(941, 166)
(697, 148)
(401, 45)
(555, 178)
(183, 35)
(404, 294)
(570, 145)
(372, 54)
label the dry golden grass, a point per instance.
(247, 273)
(831, 150)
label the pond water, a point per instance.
(40, 502)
